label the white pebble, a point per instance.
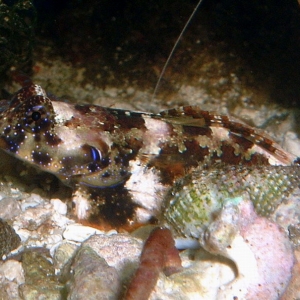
(61, 221)
(59, 206)
(32, 201)
(14, 191)
(79, 233)
(51, 240)
(13, 271)
(35, 198)
(24, 234)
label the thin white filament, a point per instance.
(173, 49)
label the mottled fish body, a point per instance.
(127, 161)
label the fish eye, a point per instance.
(36, 117)
(96, 154)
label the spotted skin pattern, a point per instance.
(125, 161)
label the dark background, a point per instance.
(129, 41)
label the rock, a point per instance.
(12, 270)
(62, 257)
(92, 278)
(40, 279)
(11, 276)
(59, 206)
(9, 240)
(293, 290)
(201, 278)
(9, 208)
(79, 233)
(32, 200)
(9, 291)
(259, 248)
(102, 266)
(32, 218)
(32, 292)
(64, 253)
(120, 251)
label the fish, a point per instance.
(121, 164)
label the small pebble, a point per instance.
(59, 206)
(12, 270)
(79, 233)
(32, 201)
(33, 218)
(9, 208)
